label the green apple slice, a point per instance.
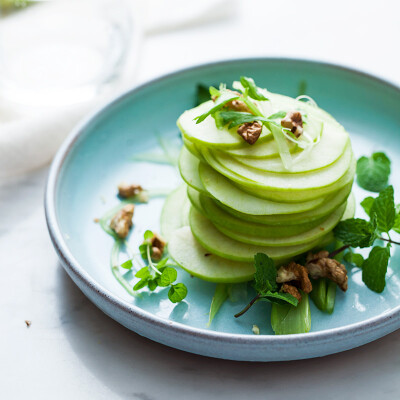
(253, 178)
(222, 189)
(328, 206)
(305, 237)
(207, 134)
(306, 195)
(261, 150)
(197, 261)
(223, 219)
(189, 169)
(174, 213)
(217, 243)
(332, 145)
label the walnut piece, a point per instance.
(250, 131)
(286, 288)
(121, 223)
(157, 247)
(296, 274)
(126, 190)
(294, 122)
(237, 105)
(321, 266)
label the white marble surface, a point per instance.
(73, 350)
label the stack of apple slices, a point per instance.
(245, 201)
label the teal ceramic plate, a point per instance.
(99, 153)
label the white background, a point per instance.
(73, 351)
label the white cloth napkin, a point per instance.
(30, 136)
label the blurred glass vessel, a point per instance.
(63, 51)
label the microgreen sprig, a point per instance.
(158, 274)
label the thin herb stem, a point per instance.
(337, 251)
(152, 266)
(239, 314)
(389, 240)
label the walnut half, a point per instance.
(250, 131)
(294, 122)
(157, 247)
(126, 190)
(294, 276)
(321, 266)
(121, 223)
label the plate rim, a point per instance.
(388, 321)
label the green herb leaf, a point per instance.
(367, 204)
(354, 258)
(177, 292)
(222, 100)
(167, 277)
(220, 295)
(214, 92)
(278, 115)
(162, 263)
(265, 276)
(374, 268)
(356, 232)
(280, 298)
(396, 226)
(384, 209)
(141, 284)
(202, 94)
(127, 264)
(152, 284)
(148, 235)
(373, 172)
(143, 273)
(143, 250)
(251, 89)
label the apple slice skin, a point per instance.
(318, 213)
(224, 191)
(252, 178)
(197, 261)
(189, 170)
(175, 212)
(217, 243)
(313, 234)
(305, 195)
(221, 218)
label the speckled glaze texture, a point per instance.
(98, 154)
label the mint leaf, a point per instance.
(374, 268)
(366, 204)
(221, 101)
(354, 258)
(280, 298)
(167, 277)
(127, 264)
(265, 276)
(162, 263)
(235, 118)
(384, 209)
(356, 232)
(251, 89)
(373, 172)
(177, 292)
(396, 226)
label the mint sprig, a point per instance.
(373, 172)
(265, 284)
(357, 232)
